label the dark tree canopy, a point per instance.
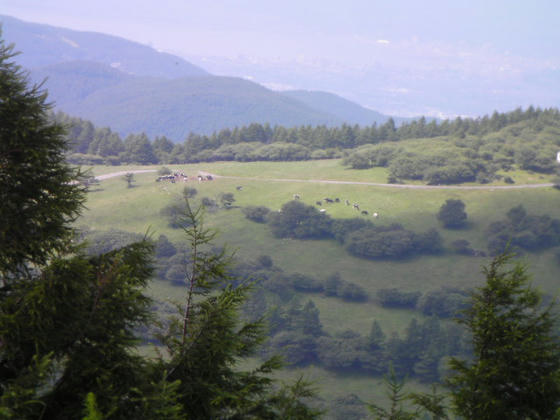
(452, 214)
(39, 195)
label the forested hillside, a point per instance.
(170, 107)
(450, 152)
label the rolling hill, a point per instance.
(170, 107)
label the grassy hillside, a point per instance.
(112, 205)
(137, 208)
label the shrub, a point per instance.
(256, 213)
(296, 220)
(164, 248)
(352, 292)
(304, 283)
(164, 170)
(174, 214)
(452, 214)
(444, 303)
(462, 246)
(397, 299)
(189, 192)
(265, 261)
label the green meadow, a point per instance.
(113, 205)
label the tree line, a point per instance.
(485, 139)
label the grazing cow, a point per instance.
(375, 215)
(239, 188)
(365, 212)
(209, 178)
(356, 206)
(337, 200)
(319, 203)
(200, 178)
(328, 200)
(347, 202)
(322, 211)
(165, 178)
(296, 197)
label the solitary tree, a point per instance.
(515, 372)
(129, 179)
(227, 199)
(452, 214)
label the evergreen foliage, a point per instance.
(39, 199)
(516, 364)
(70, 323)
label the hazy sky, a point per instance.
(476, 38)
(315, 28)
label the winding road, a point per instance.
(374, 184)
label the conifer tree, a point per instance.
(515, 372)
(208, 339)
(39, 196)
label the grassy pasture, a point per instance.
(136, 209)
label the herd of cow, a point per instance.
(328, 200)
(180, 176)
(176, 176)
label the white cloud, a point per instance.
(383, 41)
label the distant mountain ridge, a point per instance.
(133, 88)
(344, 109)
(170, 107)
(44, 45)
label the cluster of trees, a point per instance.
(474, 148)
(392, 241)
(69, 322)
(523, 231)
(359, 236)
(443, 303)
(297, 333)
(531, 144)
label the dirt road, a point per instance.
(374, 184)
(121, 173)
